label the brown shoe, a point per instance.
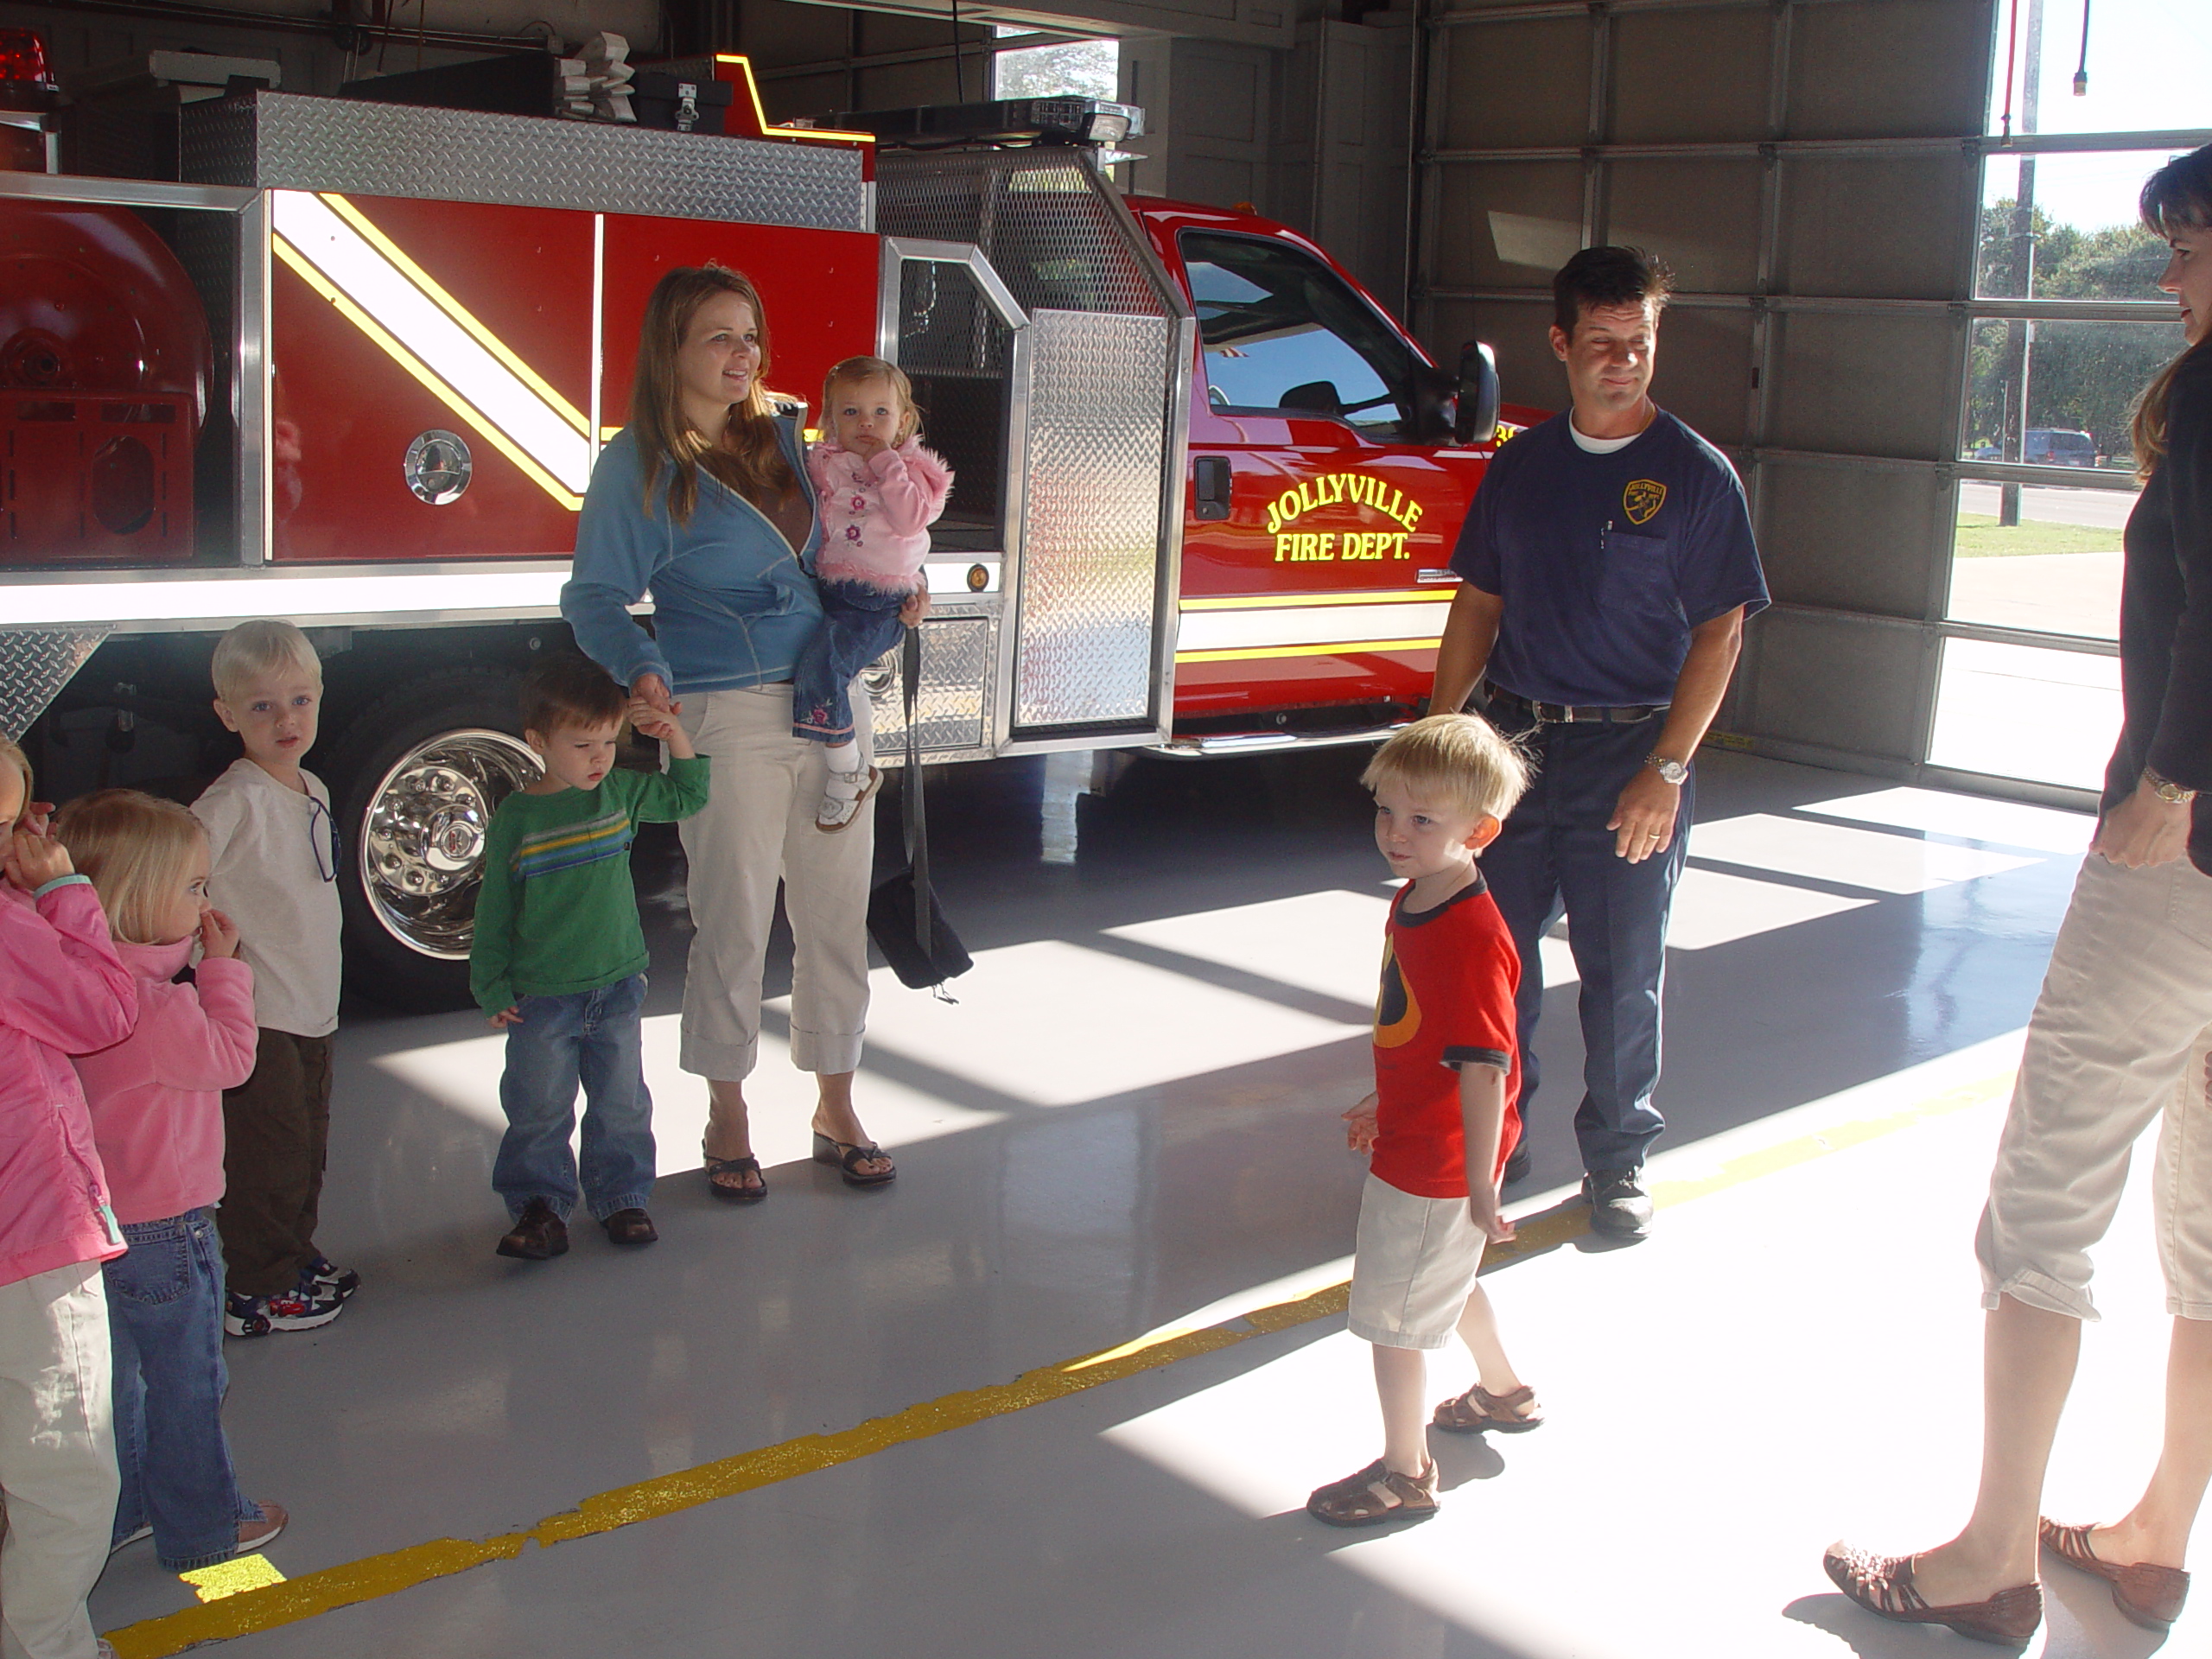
(630, 1227)
(1480, 1412)
(253, 1535)
(1374, 1495)
(538, 1233)
(1883, 1585)
(2145, 1593)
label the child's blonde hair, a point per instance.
(856, 369)
(134, 848)
(12, 756)
(258, 648)
(1461, 758)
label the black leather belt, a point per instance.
(1567, 714)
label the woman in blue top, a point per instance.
(703, 498)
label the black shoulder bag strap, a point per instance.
(910, 792)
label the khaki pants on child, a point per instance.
(277, 1139)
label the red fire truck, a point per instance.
(353, 364)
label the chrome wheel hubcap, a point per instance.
(422, 841)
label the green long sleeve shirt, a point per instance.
(556, 913)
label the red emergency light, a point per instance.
(24, 71)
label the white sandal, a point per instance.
(841, 801)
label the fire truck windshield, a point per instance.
(1282, 332)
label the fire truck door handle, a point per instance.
(1211, 474)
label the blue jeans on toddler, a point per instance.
(165, 1321)
(860, 622)
(591, 1037)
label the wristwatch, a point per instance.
(2168, 790)
(1675, 771)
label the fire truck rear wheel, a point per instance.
(418, 775)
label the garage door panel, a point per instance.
(1841, 684)
(1528, 373)
(1704, 371)
(1858, 538)
(1506, 225)
(1864, 386)
(1535, 82)
(1702, 218)
(1841, 218)
(1888, 69)
(1724, 55)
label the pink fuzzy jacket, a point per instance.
(157, 1096)
(876, 513)
(63, 991)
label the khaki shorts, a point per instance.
(1413, 1267)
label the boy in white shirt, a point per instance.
(275, 873)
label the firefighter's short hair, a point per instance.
(133, 848)
(1600, 278)
(566, 690)
(12, 756)
(856, 369)
(258, 648)
(1461, 758)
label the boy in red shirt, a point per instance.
(1441, 1122)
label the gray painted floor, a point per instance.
(1129, 1118)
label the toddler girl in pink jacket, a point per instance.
(156, 1107)
(877, 492)
(62, 990)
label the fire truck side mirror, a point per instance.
(1475, 420)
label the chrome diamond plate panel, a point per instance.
(1093, 538)
(34, 664)
(282, 141)
(956, 696)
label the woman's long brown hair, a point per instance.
(749, 459)
(2177, 197)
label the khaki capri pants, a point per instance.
(2121, 1034)
(757, 829)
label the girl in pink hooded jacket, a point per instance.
(877, 492)
(62, 990)
(156, 1106)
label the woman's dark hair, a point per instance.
(2177, 197)
(1598, 277)
(749, 459)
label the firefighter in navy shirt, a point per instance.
(1607, 569)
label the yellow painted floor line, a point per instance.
(272, 1605)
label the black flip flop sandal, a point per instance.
(746, 1166)
(846, 1155)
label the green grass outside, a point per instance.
(1982, 538)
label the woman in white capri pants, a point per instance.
(704, 499)
(2121, 1036)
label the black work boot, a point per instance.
(538, 1233)
(1620, 1207)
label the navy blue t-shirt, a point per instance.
(1605, 563)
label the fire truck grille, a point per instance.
(281, 141)
(34, 664)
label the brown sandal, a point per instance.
(1374, 1495)
(1478, 1412)
(2145, 1593)
(1883, 1585)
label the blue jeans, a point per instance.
(591, 1037)
(859, 623)
(1556, 855)
(165, 1319)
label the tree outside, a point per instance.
(1082, 68)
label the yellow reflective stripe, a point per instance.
(454, 308)
(1350, 648)
(1434, 595)
(421, 372)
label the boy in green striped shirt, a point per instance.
(559, 959)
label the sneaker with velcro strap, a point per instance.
(303, 1307)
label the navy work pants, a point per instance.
(1555, 854)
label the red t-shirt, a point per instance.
(1449, 976)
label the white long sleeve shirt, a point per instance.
(267, 876)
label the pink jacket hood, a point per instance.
(157, 1096)
(876, 512)
(63, 991)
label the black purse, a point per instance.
(904, 917)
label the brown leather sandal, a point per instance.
(1883, 1585)
(1480, 1412)
(2145, 1593)
(1374, 1495)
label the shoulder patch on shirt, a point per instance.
(608, 837)
(1643, 498)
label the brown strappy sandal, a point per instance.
(1883, 1585)
(1374, 1495)
(2145, 1593)
(1480, 1412)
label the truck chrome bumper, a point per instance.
(1207, 748)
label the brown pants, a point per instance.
(277, 1137)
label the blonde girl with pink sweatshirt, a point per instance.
(156, 1106)
(62, 991)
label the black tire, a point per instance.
(468, 716)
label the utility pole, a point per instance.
(2020, 334)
